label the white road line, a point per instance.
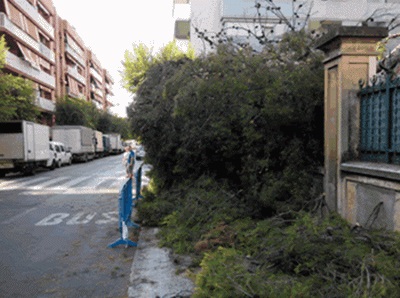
(16, 184)
(96, 181)
(49, 182)
(70, 183)
(17, 217)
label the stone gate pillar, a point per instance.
(350, 56)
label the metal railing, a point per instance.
(126, 203)
(380, 121)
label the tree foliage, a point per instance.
(234, 139)
(17, 99)
(71, 111)
(138, 61)
(3, 51)
(17, 94)
(250, 119)
(305, 257)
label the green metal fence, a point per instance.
(380, 121)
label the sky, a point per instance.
(109, 28)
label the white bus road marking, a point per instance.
(78, 219)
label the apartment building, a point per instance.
(71, 62)
(108, 94)
(47, 50)
(211, 16)
(28, 26)
(181, 16)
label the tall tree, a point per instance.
(138, 61)
(70, 111)
(17, 95)
(3, 51)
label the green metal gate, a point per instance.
(380, 121)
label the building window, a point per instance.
(182, 29)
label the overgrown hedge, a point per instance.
(234, 139)
(251, 121)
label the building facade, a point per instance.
(28, 27)
(181, 16)
(47, 50)
(212, 16)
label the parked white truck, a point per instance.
(78, 139)
(115, 143)
(24, 147)
(99, 148)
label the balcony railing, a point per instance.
(26, 68)
(74, 54)
(47, 52)
(97, 104)
(7, 24)
(96, 74)
(74, 72)
(29, 9)
(98, 92)
(45, 104)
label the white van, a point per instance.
(60, 155)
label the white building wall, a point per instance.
(353, 12)
(207, 14)
(181, 12)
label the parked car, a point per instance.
(61, 156)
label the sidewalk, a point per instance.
(155, 271)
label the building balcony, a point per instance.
(34, 14)
(75, 94)
(74, 54)
(109, 98)
(96, 74)
(98, 104)
(74, 73)
(181, 10)
(45, 104)
(97, 90)
(21, 35)
(108, 88)
(47, 52)
(21, 66)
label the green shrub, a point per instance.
(249, 120)
(304, 256)
(204, 207)
(227, 273)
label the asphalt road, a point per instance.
(54, 231)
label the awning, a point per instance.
(29, 55)
(15, 16)
(73, 86)
(45, 89)
(32, 29)
(45, 64)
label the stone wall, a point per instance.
(363, 193)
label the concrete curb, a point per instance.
(154, 270)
